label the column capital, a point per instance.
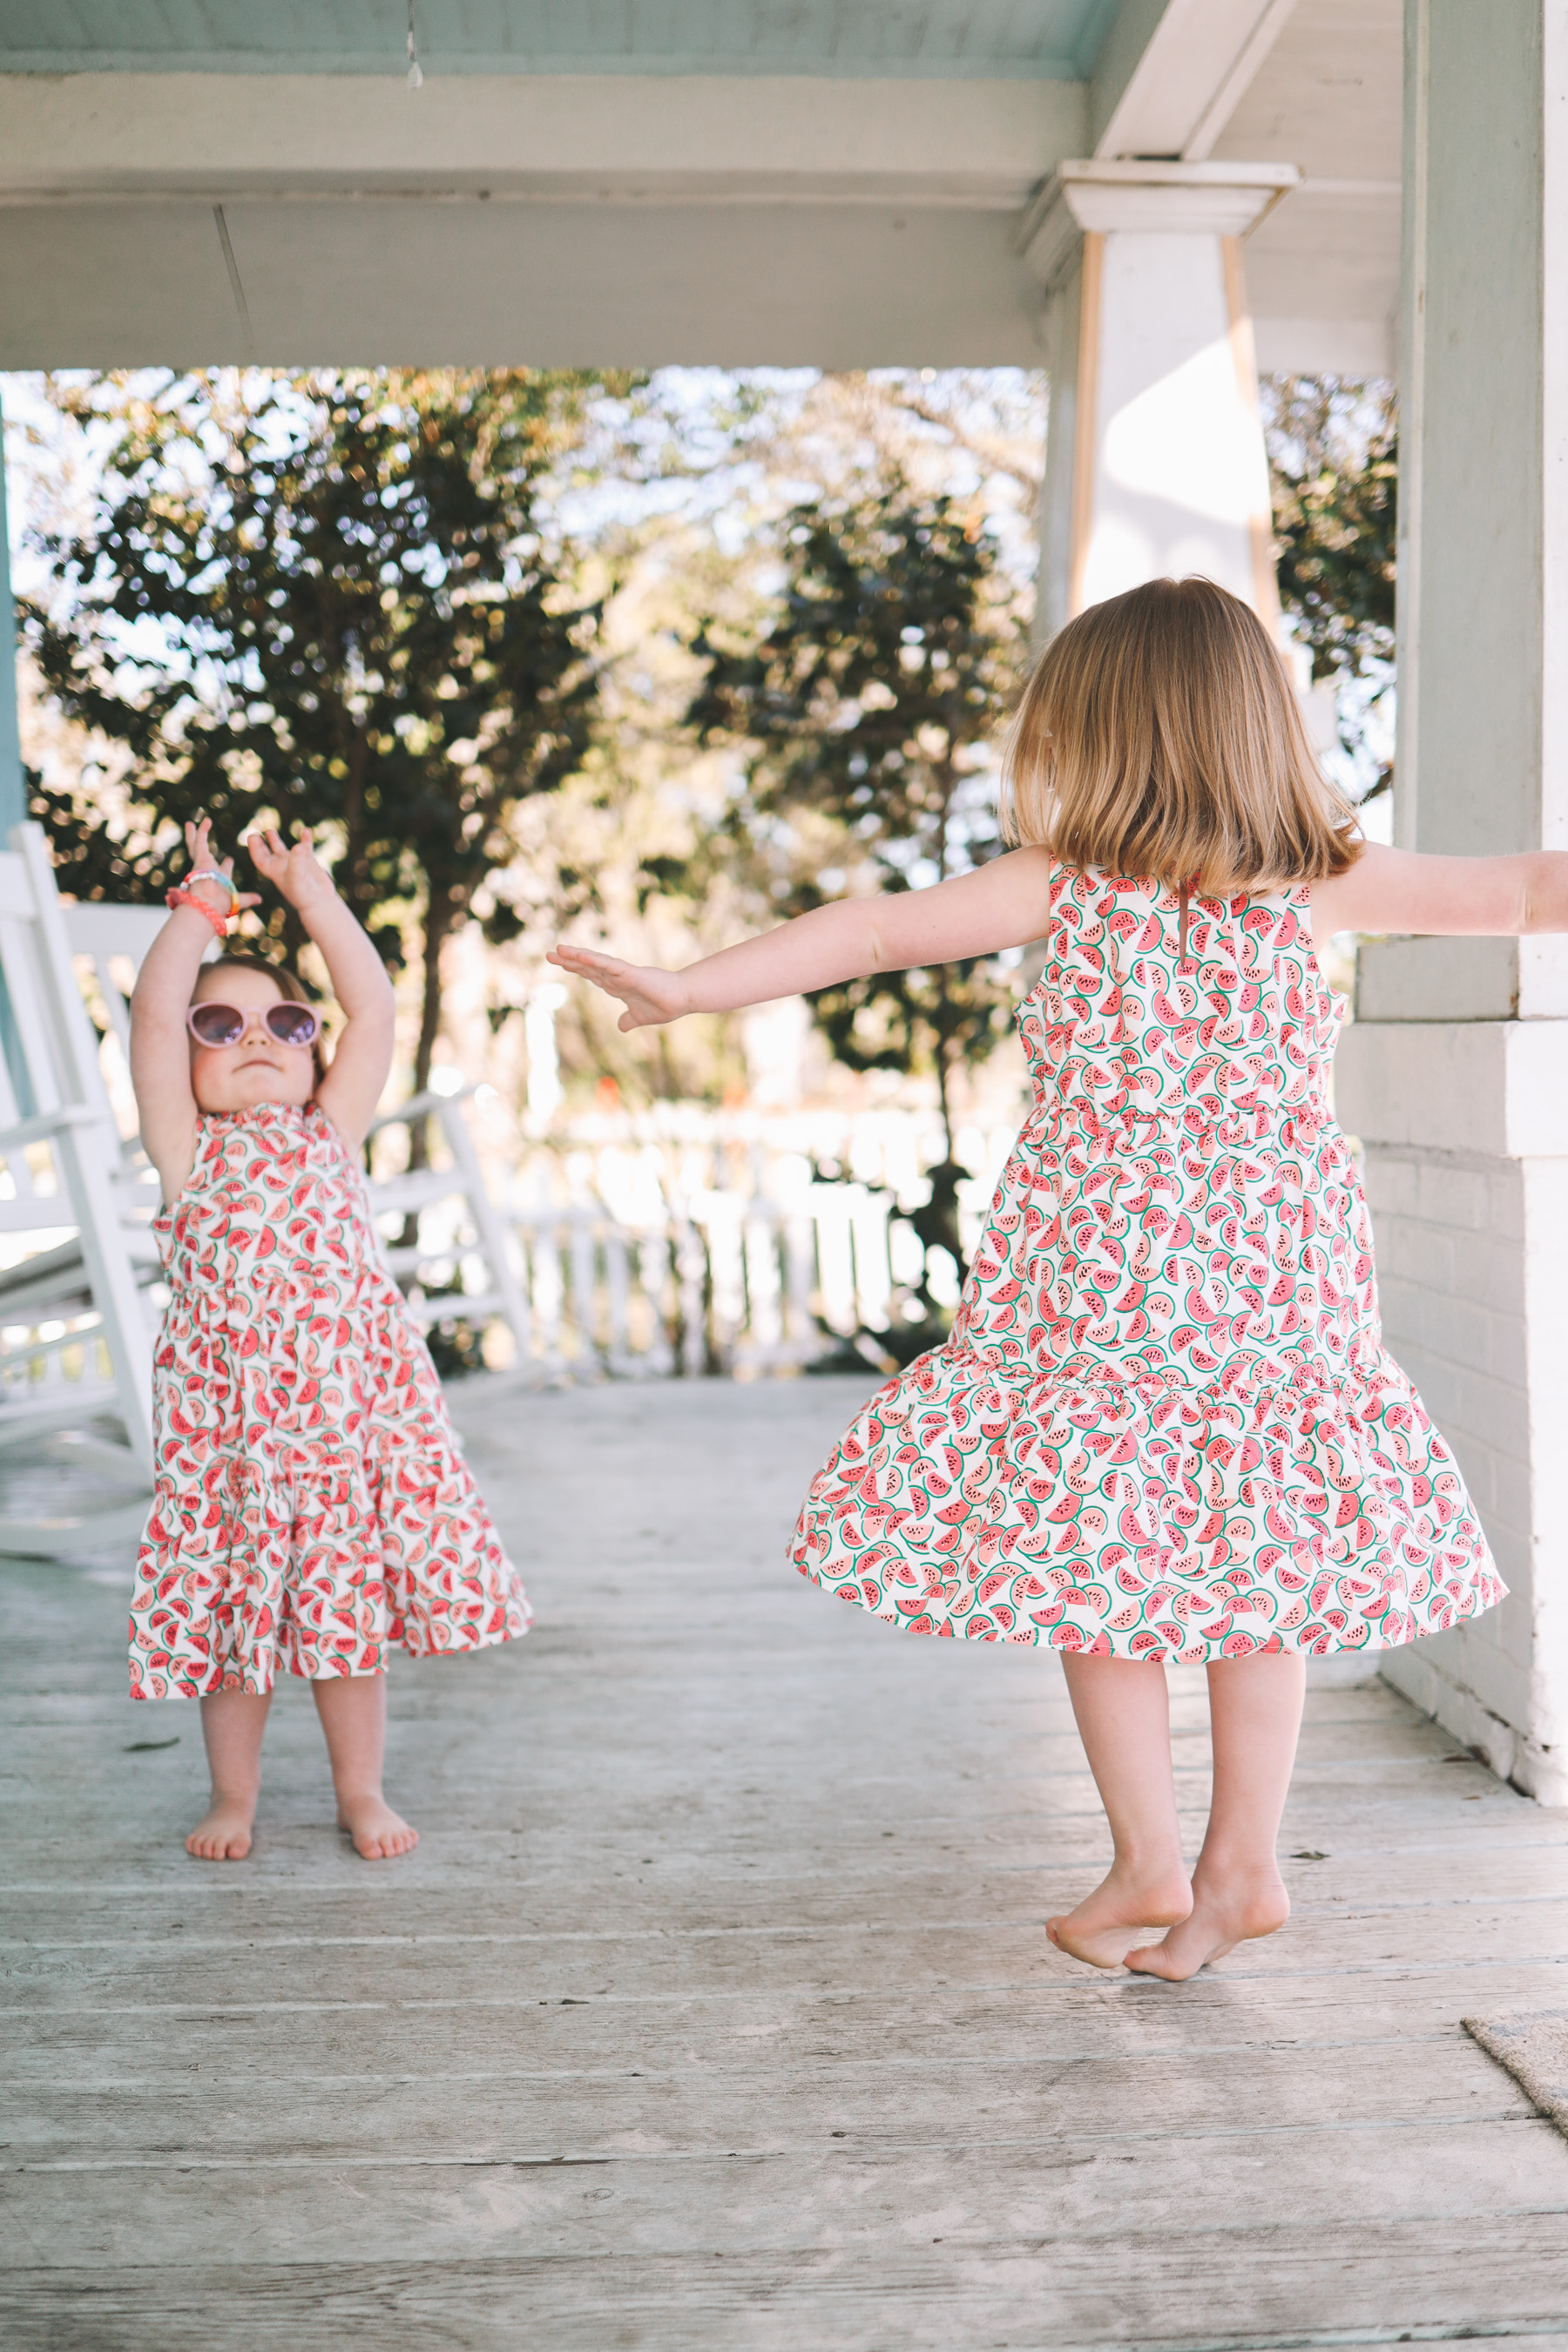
(1171, 198)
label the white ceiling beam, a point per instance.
(1197, 61)
(664, 138)
(1243, 70)
(100, 283)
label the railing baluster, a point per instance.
(691, 1280)
(800, 1257)
(618, 1343)
(584, 1286)
(654, 1272)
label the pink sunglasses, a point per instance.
(211, 1023)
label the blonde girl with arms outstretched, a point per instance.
(311, 1509)
(1164, 1426)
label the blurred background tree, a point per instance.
(459, 620)
(328, 599)
(867, 702)
(287, 595)
(1334, 447)
(663, 660)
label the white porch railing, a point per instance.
(628, 1268)
(719, 1283)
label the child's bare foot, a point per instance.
(377, 1832)
(1105, 1924)
(1224, 1914)
(223, 1833)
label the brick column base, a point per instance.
(1466, 1134)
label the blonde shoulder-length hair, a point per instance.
(1158, 738)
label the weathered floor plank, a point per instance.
(1170, 2293)
(509, 2114)
(715, 2009)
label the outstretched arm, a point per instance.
(1002, 905)
(1404, 890)
(160, 1048)
(363, 1055)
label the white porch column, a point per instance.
(1156, 463)
(13, 797)
(12, 786)
(1455, 1074)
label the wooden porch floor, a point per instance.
(715, 2009)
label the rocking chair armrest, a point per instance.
(419, 1106)
(46, 1124)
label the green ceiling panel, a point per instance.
(1036, 39)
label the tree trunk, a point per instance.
(440, 919)
(944, 1099)
(947, 780)
(356, 888)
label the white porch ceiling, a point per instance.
(1059, 39)
(858, 209)
(1323, 269)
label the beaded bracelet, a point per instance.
(180, 897)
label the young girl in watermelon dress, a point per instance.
(1164, 1426)
(312, 1508)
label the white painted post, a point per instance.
(653, 1276)
(719, 1214)
(1156, 460)
(545, 1094)
(546, 1285)
(12, 790)
(582, 1261)
(1456, 1072)
(490, 1227)
(764, 1281)
(830, 1209)
(873, 1262)
(617, 1292)
(13, 797)
(800, 1260)
(692, 1271)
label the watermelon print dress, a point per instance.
(1164, 1425)
(311, 1506)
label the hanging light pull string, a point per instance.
(416, 72)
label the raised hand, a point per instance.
(205, 860)
(650, 996)
(293, 869)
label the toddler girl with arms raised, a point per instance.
(1164, 1426)
(312, 1508)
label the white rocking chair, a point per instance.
(502, 1297)
(113, 940)
(75, 1327)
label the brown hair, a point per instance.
(1159, 737)
(289, 986)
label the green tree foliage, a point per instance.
(869, 704)
(1334, 465)
(329, 598)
